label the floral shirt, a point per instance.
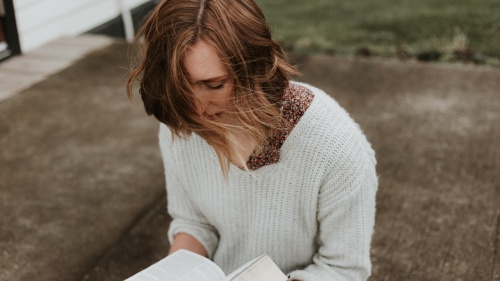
(296, 100)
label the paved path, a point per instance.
(21, 72)
(82, 191)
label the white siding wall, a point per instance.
(41, 21)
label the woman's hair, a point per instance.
(255, 63)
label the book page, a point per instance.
(262, 268)
(243, 267)
(182, 265)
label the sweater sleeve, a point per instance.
(186, 217)
(346, 215)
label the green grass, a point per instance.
(466, 31)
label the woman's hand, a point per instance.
(187, 242)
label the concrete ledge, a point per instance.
(79, 166)
(83, 189)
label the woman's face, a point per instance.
(210, 81)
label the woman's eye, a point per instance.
(215, 87)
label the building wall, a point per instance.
(41, 21)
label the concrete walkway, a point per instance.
(21, 72)
(82, 189)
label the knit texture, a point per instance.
(312, 212)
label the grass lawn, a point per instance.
(466, 31)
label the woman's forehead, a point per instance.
(203, 63)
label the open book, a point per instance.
(184, 265)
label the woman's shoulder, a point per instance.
(324, 109)
(328, 129)
(326, 114)
(317, 92)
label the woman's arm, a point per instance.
(346, 227)
(187, 218)
(346, 213)
(187, 242)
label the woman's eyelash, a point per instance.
(216, 87)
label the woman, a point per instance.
(254, 163)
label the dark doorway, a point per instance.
(9, 40)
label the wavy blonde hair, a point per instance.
(256, 65)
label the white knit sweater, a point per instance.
(312, 212)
